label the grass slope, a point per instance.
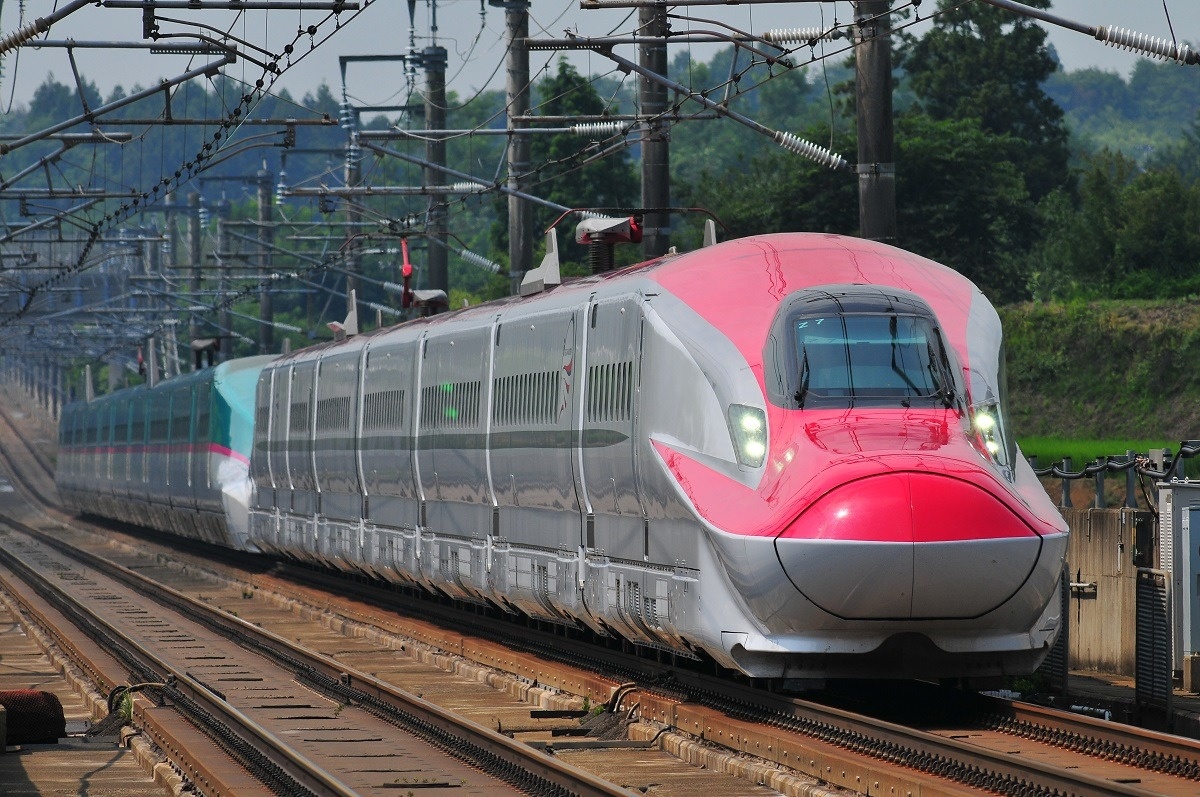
(1105, 370)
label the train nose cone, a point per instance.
(908, 545)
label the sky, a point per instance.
(475, 43)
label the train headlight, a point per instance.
(748, 425)
(986, 428)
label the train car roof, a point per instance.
(758, 270)
(222, 372)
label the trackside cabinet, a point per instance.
(1179, 553)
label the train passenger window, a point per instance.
(869, 359)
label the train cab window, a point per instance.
(858, 347)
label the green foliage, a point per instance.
(125, 707)
(982, 178)
(961, 201)
(1141, 117)
(778, 192)
(1131, 233)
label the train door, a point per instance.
(392, 503)
(531, 431)
(608, 451)
(183, 429)
(158, 460)
(336, 424)
(106, 442)
(299, 439)
(533, 461)
(139, 436)
(125, 475)
(281, 389)
(453, 468)
(200, 446)
(452, 459)
(260, 453)
(336, 474)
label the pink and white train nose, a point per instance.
(908, 545)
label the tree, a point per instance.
(778, 192)
(962, 202)
(989, 64)
(1129, 237)
(608, 182)
(563, 170)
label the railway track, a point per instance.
(988, 747)
(343, 723)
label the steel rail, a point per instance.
(1110, 739)
(306, 774)
(354, 686)
(939, 755)
(166, 730)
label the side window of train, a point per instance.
(203, 399)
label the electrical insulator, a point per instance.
(346, 115)
(596, 128)
(14, 40)
(479, 260)
(591, 214)
(280, 188)
(809, 150)
(465, 187)
(1124, 39)
(800, 35)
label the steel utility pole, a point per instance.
(873, 99)
(656, 141)
(434, 59)
(520, 212)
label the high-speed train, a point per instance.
(789, 453)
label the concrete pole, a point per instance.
(266, 311)
(224, 318)
(353, 176)
(656, 141)
(171, 364)
(520, 212)
(873, 97)
(434, 59)
(194, 255)
(152, 361)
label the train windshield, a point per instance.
(870, 359)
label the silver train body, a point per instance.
(673, 454)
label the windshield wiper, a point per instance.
(938, 366)
(802, 393)
(946, 394)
